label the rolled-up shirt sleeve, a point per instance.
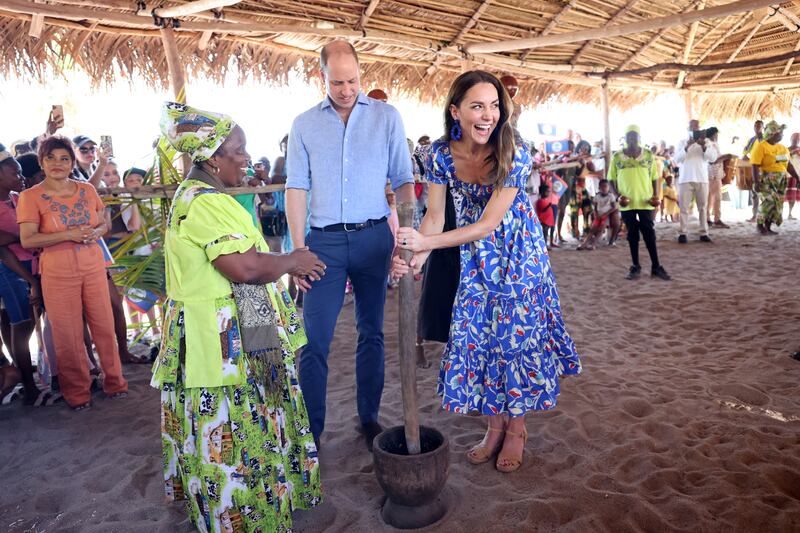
(400, 171)
(298, 168)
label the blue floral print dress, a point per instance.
(508, 344)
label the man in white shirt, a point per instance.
(693, 156)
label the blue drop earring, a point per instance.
(455, 131)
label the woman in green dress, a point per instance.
(235, 433)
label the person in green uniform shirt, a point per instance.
(234, 427)
(634, 174)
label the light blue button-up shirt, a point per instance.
(346, 168)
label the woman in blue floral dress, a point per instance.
(508, 344)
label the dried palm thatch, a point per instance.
(416, 48)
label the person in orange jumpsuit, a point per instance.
(65, 219)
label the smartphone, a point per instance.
(699, 134)
(57, 115)
(106, 144)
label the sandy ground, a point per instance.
(686, 418)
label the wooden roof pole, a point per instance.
(688, 104)
(792, 23)
(789, 63)
(362, 22)
(724, 37)
(741, 45)
(606, 125)
(192, 7)
(679, 19)
(733, 29)
(688, 46)
(617, 16)
(177, 79)
(689, 67)
(788, 18)
(552, 24)
(658, 35)
(468, 26)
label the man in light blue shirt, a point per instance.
(343, 151)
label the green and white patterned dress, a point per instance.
(235, 432)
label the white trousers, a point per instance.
(700, 193)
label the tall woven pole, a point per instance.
(408, 335)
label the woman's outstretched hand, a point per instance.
(306, 264)
(411, 239)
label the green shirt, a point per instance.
(205, 223)
(634, 177)
(248, 201)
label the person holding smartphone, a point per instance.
(693, 156)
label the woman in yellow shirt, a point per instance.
(771, 162)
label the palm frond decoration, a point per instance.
(139, 256)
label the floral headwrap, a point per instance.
(772, 128)
(195, 132)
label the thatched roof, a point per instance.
(417, 47)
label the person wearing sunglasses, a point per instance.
(90, 161)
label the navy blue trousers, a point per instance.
(363, 256)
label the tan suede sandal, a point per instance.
(511, 464)
(480, 453)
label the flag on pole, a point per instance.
(546, 129)
(557, 147)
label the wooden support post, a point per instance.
(177, 80)
(606, 125)
(205, 37)
(37, 25)
(408, 336)
(688, 103)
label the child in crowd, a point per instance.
(580, 202)
(139, 301)
(669, 203)
(605, 205)
(545, 213)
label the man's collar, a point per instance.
(360, 99)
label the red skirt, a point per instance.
(791, 191)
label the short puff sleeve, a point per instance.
(219, 225)
(521, 168)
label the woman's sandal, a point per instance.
(117, 395)
(82, 407)
(511, 464)
(480, 454)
